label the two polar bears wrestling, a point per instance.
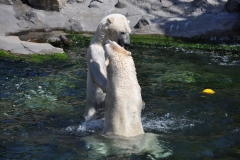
(112, 86)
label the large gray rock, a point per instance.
(186, 18)
(75, 25)
(31, 17)
(8, 2)
(156, 6)
(95, 4)
(233, 5)
(48, 5)
(23, 24)
(169, 3)
(14, 45)
(34, 3)
(121, 4)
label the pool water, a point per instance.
(42, 107)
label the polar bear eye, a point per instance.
(122, 32)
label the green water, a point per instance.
(42, 107)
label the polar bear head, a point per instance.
(114, 27)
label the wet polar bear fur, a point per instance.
(123, 103)
(114, 27)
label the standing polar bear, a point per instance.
(123, 103)
(113, 27)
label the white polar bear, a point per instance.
(123, 103)
(114, 27)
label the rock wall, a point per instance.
(184, 18)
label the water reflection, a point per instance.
(147, 144)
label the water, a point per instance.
(42, 108)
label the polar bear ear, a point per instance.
(129, 53)
(110, 20)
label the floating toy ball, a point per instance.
(208, 91)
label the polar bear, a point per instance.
(123, 103)
(114, 27)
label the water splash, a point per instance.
(167, 123)
(225, 60)
(92, 126)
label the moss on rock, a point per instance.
(35, 58)
(181, 42)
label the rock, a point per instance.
(65, 40)
(31, 17)
(14, 45)
(168, 3)
(48, 5)
(80, 1)
(141, 23)
(7, 2)
(47, 30)
(71, 1)
(199, 3)
(121, 4)
(233, 5)
(55, 41)
(75, 26)
(95, 4)
(34, 3)
(185, 18)
(23, 24)
(156, 6)
(52, 5)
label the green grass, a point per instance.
(35, 58)
(185, 43)
(152, 41)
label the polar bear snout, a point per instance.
(123, 39)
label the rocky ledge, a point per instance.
(181, 18)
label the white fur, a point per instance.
(109, 28)
(123, 103)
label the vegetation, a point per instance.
(35, 58)
(153, 41)
(180, 42)
(82, 39)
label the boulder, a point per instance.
(34, 3)
(31, 17)
(23, 24)
(95, 4)
(65, 40)
(48, 5)
(233, 5)
(7, 2)
(199, 3)
(55, 41)
(141, 23)
(71, 1)
(121, 4)
(75, 26)
(169, 3)
(14, 45)
(47, 30)
(156, 6)
(80, 1)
